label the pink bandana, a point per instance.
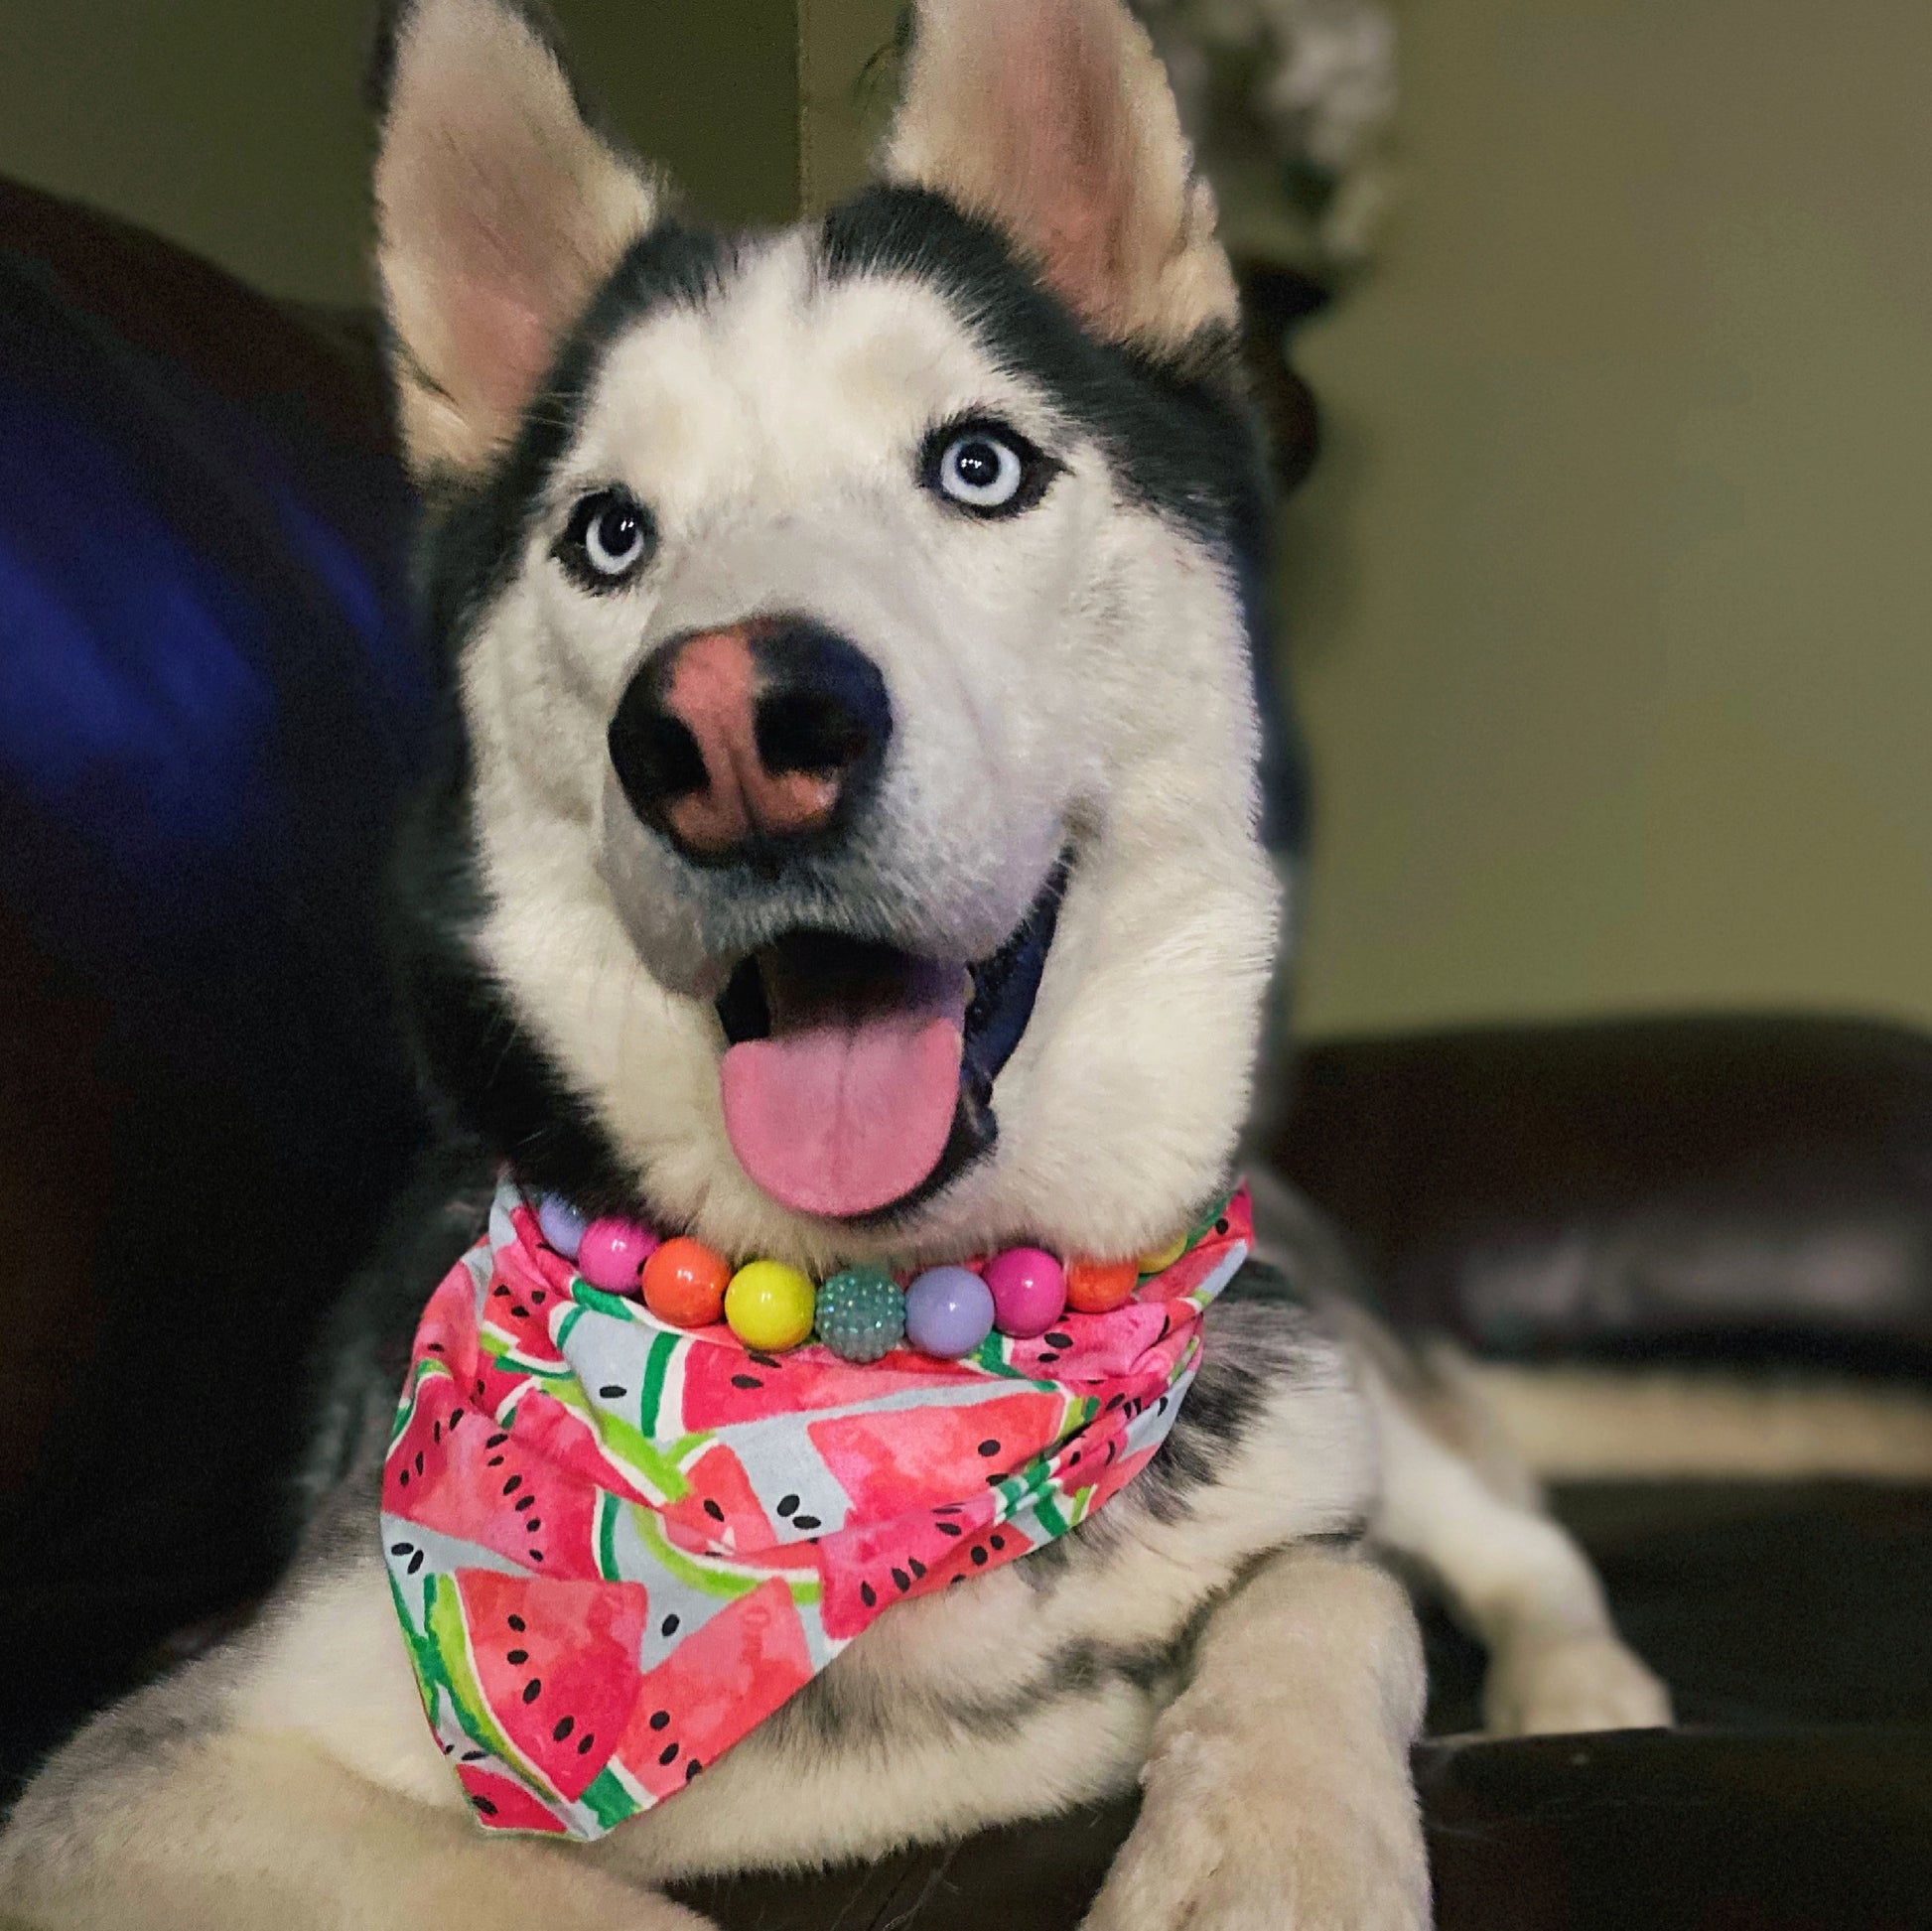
(616, 1547)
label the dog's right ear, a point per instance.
(499, 212)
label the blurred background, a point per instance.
(1608, 601)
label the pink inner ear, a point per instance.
(500, 344)
(1070, 159)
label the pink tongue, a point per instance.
(843, 1116)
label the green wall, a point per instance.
(1612, 597)
(237, 126)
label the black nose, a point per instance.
(746, 743)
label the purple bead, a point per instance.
(1029, 1289)
(562, 1226)
(948, 1313)
(613, 1253)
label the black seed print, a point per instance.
(1220, 1226)
(517, 1658)
(900, 1581)
(401, 1548)
(1161, 1407)
(804, 1522)
(1114, 1400)
(712, 1509)
(668, 1754)
(1060, 1340)
(949, 1528)
(456, 1415)
(473, 1756)
(518, 1309)
(670, 1625)
(1074, 1460)
(660, 1718)
(525, 1502)
(494, 1461)
(789, 1506)
(537, 1300)
(485, 1805)
(949, 1509)
(513, 1485)
(436, 1347)
(746, 1381)
(517, 1622)
(988, 1447)
(979, 1557)
(565, 1724)
(533, 1689)
(419, 1462)
(500, 1294)
(497, 1441)
(868, 1595)
(536, 1555)
(415, 1562)
(449, 1750)
(915, 1565)
(612, 1393)
(998, 1542)
(955, 1582)
(436, 1433)
(583, 1744)
(763, 1360)
(402, 1479)
(532, 1526)
(691, 1770)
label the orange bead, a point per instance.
(685, 1282)
(1099, 1287)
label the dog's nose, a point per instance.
(741, 743)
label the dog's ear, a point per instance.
(499, 210)
(1054, 119)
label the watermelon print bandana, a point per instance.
(616, 1545)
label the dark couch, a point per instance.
(211, 702)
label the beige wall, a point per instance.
(1612, 599)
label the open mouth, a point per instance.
(858, 1079)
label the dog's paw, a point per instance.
(1563, 1684)
(1229, 1842)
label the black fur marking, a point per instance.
(1178, 434)
(476, 542)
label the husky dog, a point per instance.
(847, 627)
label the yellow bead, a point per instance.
(1156, 1258)
(769, 1306)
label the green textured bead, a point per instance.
(861, 1314)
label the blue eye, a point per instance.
(610, 536)
(986, 468)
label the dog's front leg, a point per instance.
(1278, 1793)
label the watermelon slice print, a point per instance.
(719, 1683)
(720, 1512)
(867, 1570)
(502, 1804)
(453, 1468)
(724, 1382)
(893, 1464)
(556, 1664)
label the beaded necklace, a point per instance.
(862, 1312)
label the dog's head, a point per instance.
(848, 845)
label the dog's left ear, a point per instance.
(1054, 119)
(499, 212)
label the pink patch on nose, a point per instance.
(713, 694)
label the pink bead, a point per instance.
(1029, 1291)
(612, 1251)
